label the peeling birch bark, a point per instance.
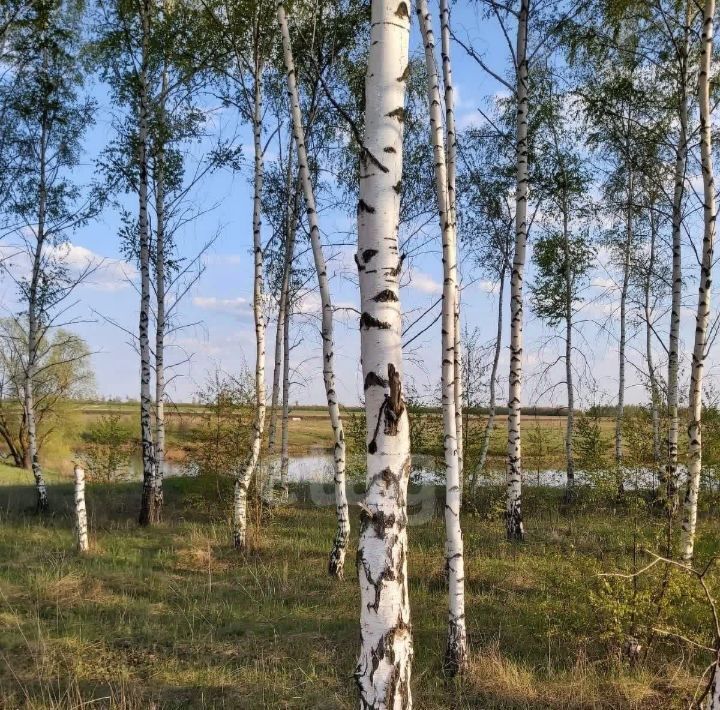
(336, 561)
(702, 318)
(81, 529)
(386, 647)
(456, 648)
(242, 482)
(513, 512)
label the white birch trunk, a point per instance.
(456, 649)
(242, 482)
(652, 376)
(620, 409)
(282, 307)
(81, 528)
(160, 324)
(670, 482)
(513, 512)
(451, 162)
(148, 453)
(687, 536)
(285, 426)
(43, 504)
(336, 563)
(386, 648)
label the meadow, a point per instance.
(173, 617)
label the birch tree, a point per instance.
(242, 482)
(519, 88)
(563, 254)
(337, 554)
(154, 79)
(513, 511)
(677, 28)
(702, 316)
(81, 528)
(451, 149)
(241, 62)
(456, 649)
(386, 650)
(48, 118)
(486, 226)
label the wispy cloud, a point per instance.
(424, 283)
(229, 306)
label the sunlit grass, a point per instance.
(172, 617)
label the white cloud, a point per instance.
(488, 286)
(228, 306)
(424, 283)
(604, 283)
(469, 119)
(224, 259)
(105, 274)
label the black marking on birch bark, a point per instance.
(398, 112)
(372, 446)
(366, 155)
(396, 271)
(360, 267)
(374, 380)
(385, 296)
(367, 321)
(389, 149)
(368, 254)
(456, 650)
(398, 187)
(395, 405)
(406, 73)
(402, 10)
(365, 207)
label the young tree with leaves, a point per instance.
(48, 116)
(563, 254)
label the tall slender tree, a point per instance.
(242, 482)
(563, 254)
(337, 554)
(386, 649)
(48, 116)
(456, 649)
(702, 316)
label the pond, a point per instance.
(317, 467)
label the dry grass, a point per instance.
(172, 617)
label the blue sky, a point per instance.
(220, 303)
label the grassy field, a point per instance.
(310, 432)
(172, 617)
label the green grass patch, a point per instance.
(172, 617)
